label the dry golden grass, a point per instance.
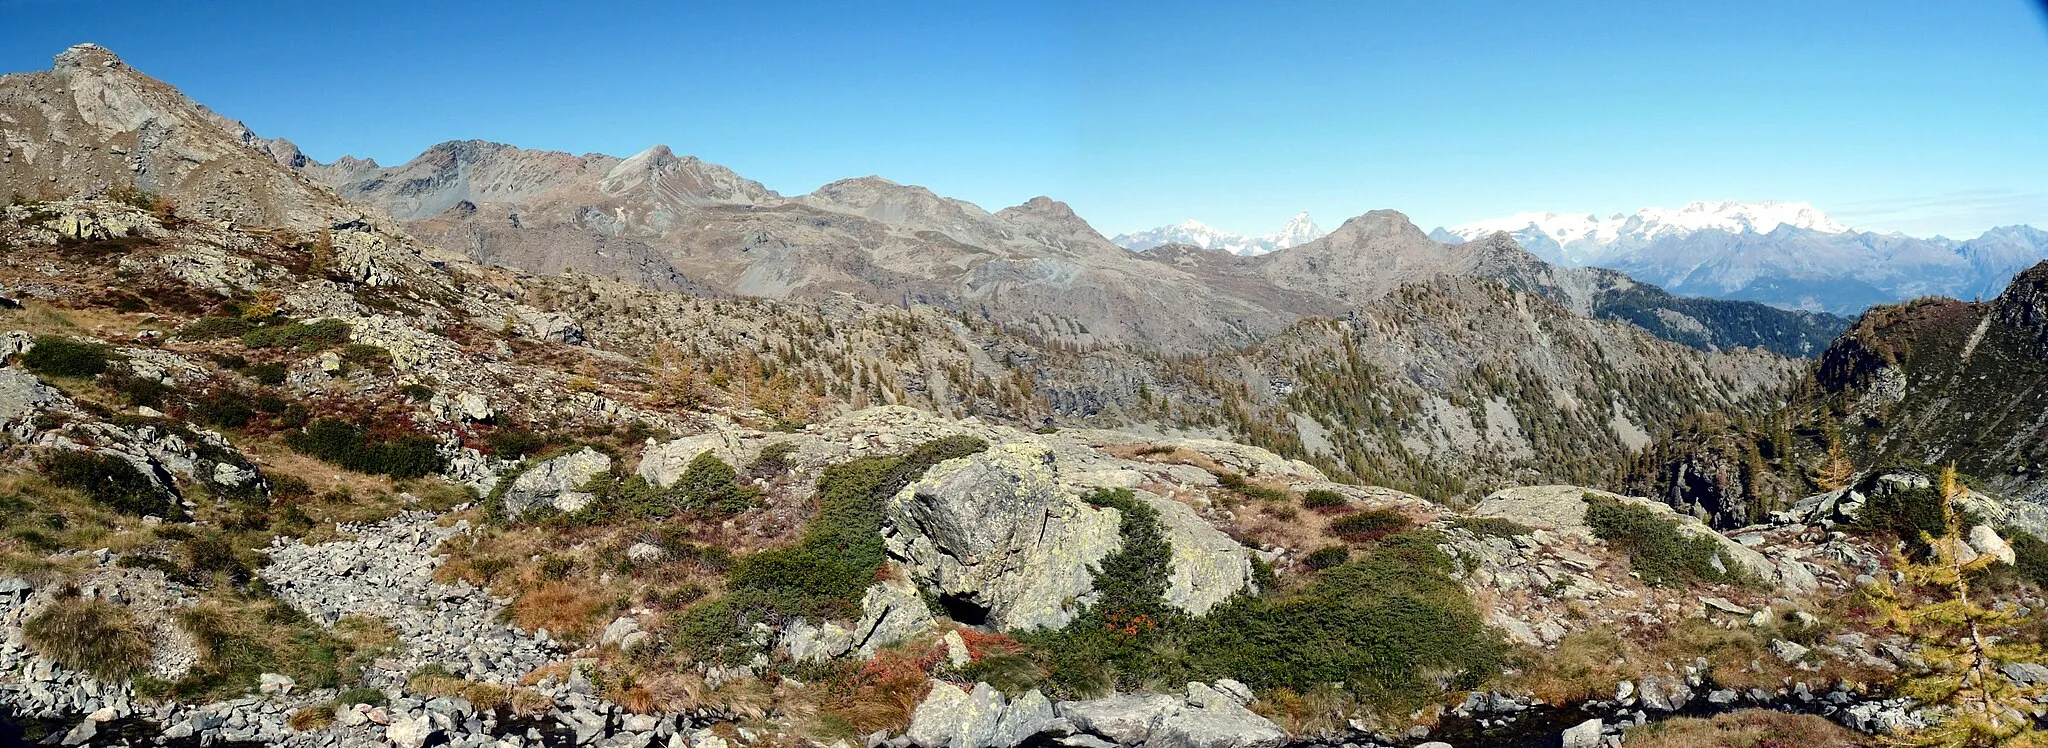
(1749, 728)
(312, 718)
(88, 635)
(567, 610)
(1321, 711)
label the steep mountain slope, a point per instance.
(1940, 381)
(92, 123)
(1929, 382)
(1299, 230)
(1788, 255)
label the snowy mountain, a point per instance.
(1787, 254)
(1583, 239)
(1299, 230)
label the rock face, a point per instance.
(1000, 540)
(1208, 567)
(554, 482)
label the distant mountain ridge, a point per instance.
(1301, 229)
(1788, 255)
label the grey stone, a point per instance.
(1583, 735)
(1128, 720)
(1788, 651)
(556, 482)
(1663, 694)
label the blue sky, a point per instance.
(1914, 116)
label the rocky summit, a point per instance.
(502, 447)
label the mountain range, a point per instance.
(1788, 255)
(1299, 230)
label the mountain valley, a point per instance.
(506, 447)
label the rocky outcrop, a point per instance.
(663, 463)
(1563, 509)
(1000, 539)
(556, 482)
(1208, 567)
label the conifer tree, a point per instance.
(1963, 643)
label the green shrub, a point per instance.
(1323, 499)
(417, 392)
(214, 328)
(1657, 551)
(90, 636)
(1391, 626)
(512, 443)
(1327, 557)
(772, 462)
(1370, 525)
(1907, 514)
(108, 480)
(272, 373)
(240, 638)
(225, 408)
(211, 556)
(823, 574)
(1155, 450)
(710, 484)
(59, 356)
(2030, 556)
(366, 355)
(304, 336)
(140, 391)
(342, 444)
(1491, 527)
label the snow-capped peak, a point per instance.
(1299, 230)
(1583, 237)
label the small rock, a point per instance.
(1788, 651)
(1583, 735)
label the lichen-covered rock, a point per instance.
(952, 718)
(1000, 539)
(1208, 567)
(1128, 720)
(556, 482)
(891, 611)
(663, 463)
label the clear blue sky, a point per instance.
(1917, 116)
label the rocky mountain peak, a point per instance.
(89, 56)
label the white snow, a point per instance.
(1299, 230)
(1644, 225)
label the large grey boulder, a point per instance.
(1583, 735)
(1214, 720)
(1207, 718)
(1128, 720)
(663, 463)
(1208, 567)
(891, 611)
(556, 482)
(951, 717)
(1000, 539)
